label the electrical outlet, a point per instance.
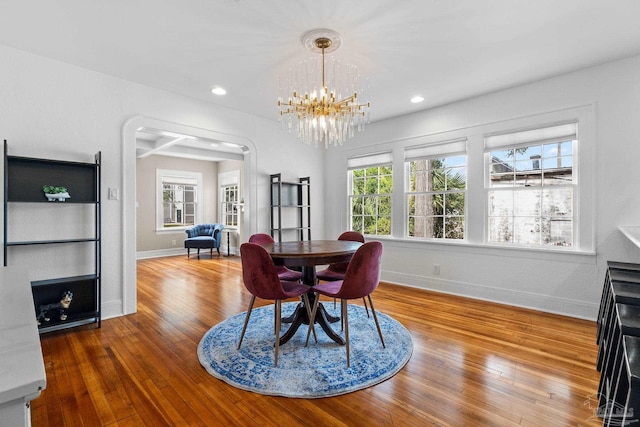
(173, 242)
(436, 269)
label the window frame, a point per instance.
(537, 136)
(451, 150)
(515, 188)
(225, 179)
(476, 203)
(224, 203)
(177, 176)
(375, 160)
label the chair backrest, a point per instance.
(259, 273)
(261, 239)
(352, 236)
(203, 230)
(363, 274)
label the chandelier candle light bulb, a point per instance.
(320, 114)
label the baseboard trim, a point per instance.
(112, 309)
(161, 253)
(549, 304)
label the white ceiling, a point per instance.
(444, 50)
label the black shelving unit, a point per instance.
(23, 181)
(290, 209)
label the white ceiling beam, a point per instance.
(161, 144)
(200, 154)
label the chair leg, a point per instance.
(246, 320)
(376, 319)
(344, 306)
(307, 304)
(188, 252)
(312, 319)
(278, 314)
(364, 301)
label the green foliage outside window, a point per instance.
(371, 200)
(436, 197)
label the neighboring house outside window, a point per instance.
(531, 187)
(371, 183)
(229, 205)
(178, 199)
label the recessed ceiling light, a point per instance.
(217, 90)
(417, 99)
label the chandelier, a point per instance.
(321, 114)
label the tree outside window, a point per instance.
(371, 200)
(436, 197)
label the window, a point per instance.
(435, 197)
(178, 204)
(371, 182)
(531, 186)
(178, 195)
(230, 197)
(526, 183)
(229, 205)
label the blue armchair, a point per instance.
(203, 236)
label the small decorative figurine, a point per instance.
(62, 306)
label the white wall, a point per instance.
(564, 283)
(54, 110)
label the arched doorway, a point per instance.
(130, 131)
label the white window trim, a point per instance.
(384, 158)
(442, 149)
(439, 149)
(476, 202)
(537, 136)
(226, 179)
(160, 173)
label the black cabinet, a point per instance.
(51, 238)
(290, 209)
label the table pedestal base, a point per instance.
(300, 317)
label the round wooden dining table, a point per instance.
(307, 254)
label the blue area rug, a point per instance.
(319, 370)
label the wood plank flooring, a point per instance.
(474, 363)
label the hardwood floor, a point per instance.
(474, 363)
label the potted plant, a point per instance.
(53, 193)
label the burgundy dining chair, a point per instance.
(336, 271)
(261, 280)
(284, 273)
(360, 280)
